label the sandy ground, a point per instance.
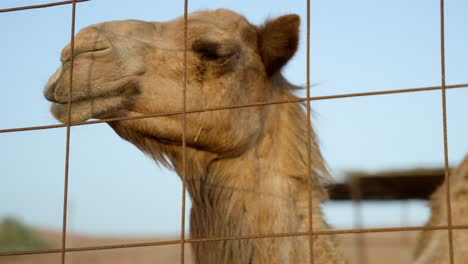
(379, 248)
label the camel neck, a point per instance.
(262, 191)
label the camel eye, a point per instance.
(213, 51)
(206, 49)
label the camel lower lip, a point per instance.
(82, 100)
(84, 109)
(61, 104)
(61, 109)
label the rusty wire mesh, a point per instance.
(449, 227)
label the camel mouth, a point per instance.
(49, 94)
(121, 91)
(85, 108)
(94, 101)
(91, 106)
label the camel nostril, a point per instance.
(95, 49)
(82, 49)
(88, 40)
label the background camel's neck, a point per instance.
(458, 196)
(433, 246)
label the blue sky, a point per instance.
(356, 46)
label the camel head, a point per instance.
(130, 68)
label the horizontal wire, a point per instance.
(21, 129)
(298, 100)
(384, 92)
(20, 8)
(217, 239)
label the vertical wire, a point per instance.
(67, 146)
(184, 133)
(444, 115)
(309, 143)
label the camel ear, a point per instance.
(278, 42)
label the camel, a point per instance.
(246, 167)
(433, 246)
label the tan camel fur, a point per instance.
(246, 167)
(433, 246)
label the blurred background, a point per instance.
(117, 195)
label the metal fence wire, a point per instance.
(449, 227)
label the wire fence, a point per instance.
(449, 227)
